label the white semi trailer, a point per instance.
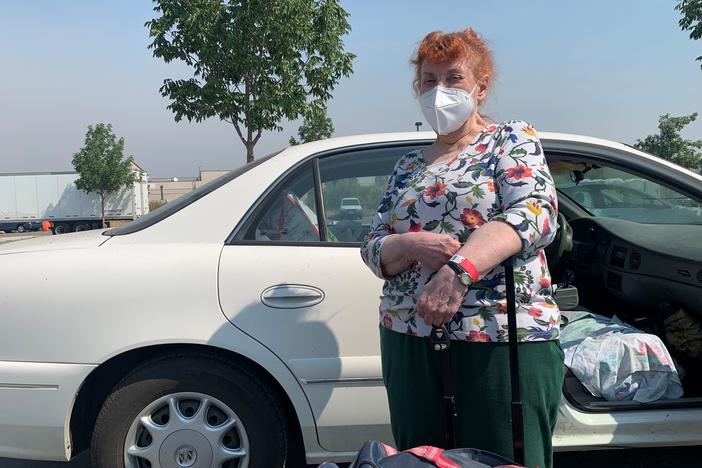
(26, 199)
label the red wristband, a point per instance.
(467, 265)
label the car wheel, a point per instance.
(190, 411)
(61, 228)
(21, 228)
(81, 227)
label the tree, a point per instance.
(254, 62)
(101, 165)
(668, 144)
(691, 20)
(316, 126)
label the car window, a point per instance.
(353, 185)
(611, 192)
(289, 214)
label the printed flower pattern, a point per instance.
(472, 218)
(519, 172)
(436, 190)
(501, 176)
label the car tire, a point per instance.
(61, 228)
(259, 425)
(21, 228)
(81, 227)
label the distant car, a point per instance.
(351, 207)
(21, 226)
(189, 338)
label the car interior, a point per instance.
(642, 273)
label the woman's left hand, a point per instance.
(441, 297)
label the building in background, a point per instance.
(166, 190)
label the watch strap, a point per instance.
(463, 277)
(466, 265)
(455, 267)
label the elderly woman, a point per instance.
(451, 214)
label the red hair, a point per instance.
(440, 47)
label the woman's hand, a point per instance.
(441, 297)
(430, 249)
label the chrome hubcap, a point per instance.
(186, 430)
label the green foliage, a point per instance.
(254, 62)
(101, 165)
(691, 20)
(316, 126)
(669, 144)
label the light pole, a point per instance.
(418, 124)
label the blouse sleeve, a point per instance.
(381, 226)
(526, 192)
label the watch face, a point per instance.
(465, 279)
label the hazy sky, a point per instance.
(601, 68)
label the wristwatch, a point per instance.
(466, 271)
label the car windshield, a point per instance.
(609, 192)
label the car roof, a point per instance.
(553, 139)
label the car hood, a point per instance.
(77, 240)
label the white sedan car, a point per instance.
(227, 329)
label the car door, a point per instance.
(615, 275)
(292, 277)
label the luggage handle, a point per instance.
(440, 341)
(434, 455)
(516, 403)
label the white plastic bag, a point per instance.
(618, 362)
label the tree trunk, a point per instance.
(102, 200)
(249, 152)
(249, 146)
(249, 140)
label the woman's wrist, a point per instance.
(449, 273)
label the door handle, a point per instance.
(291, 296)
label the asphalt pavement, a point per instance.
(16, 236)
(669, 457)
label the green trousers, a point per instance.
(482, 389)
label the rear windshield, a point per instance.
(181, 202)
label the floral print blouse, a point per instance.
(502, 175)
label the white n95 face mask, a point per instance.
(446, 109)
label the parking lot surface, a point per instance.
(15, 236)
(669, 457)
